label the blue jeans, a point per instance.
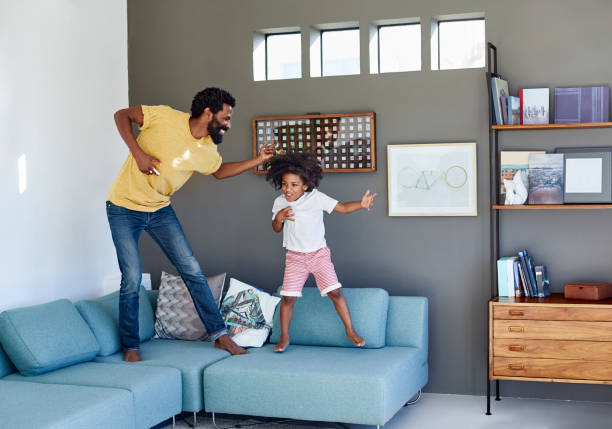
(164, 227)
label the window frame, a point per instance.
(442, 21)
(284, 33)
(378, 27)
(322, 47)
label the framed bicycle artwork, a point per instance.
(432, 179)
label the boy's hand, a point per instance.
(284, 214)
(146, 163)
(367, 201)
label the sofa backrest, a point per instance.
(45, 337)
(316, 322)
(102, 316)
(6, 366)
(407, 322)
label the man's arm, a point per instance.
(124, 119)
(367, 201)
(229, 169)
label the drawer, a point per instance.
(544, 312)
(552, 349)
(552, 368)
(553, 330)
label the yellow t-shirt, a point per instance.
(164, 134)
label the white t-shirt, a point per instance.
(306, 232)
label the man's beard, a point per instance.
(214, 129)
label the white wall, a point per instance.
(63, 72)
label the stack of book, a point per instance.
(572, 105)
(519, 276)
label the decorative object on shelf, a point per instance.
(432, 179)
(583, 104)
(534, 105)
(499, 88)
(344, 142)
(512, 163)
(542, 281)
(587, 177)
(592, 291)
(546, 178)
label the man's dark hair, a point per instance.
(304, 164)
(213, 98)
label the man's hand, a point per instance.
(146, 163)
(266, 152)
(367, 201)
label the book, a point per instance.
(529, 287)
(510, 163)
(511, 287)
(542, 281)
(583, 104)
(502, 277)
(525, 285)
(499, 87)
(504, 108)
(546, 178)
(535, 105)
(518, 286)
(514, 110)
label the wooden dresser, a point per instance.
(550, 339)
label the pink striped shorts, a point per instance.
(298, 266)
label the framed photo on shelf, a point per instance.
(432, 179)
(587, 177)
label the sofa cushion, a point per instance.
(316, 322)
(102, 315)
(333, 384)
(175, 314)
(156, 391)
(6, 366)
(55, 406)
(190, 357)
(45, 337)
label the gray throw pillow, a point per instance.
(176, 316)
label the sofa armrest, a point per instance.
(407, 322)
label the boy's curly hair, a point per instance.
(304, 164)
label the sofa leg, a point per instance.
(414, 399)
(173, 421)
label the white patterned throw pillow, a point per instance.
(248, 313)
(176, 316)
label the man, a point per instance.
(170, 147)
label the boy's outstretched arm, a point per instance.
(367, 201)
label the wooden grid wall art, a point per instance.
(343, 142)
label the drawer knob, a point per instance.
(516, 366)
(516, 312)
(516, 347)
(515, 328)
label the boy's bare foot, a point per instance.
(356, 339)
(224, 342)
(131, 356)
(282, 344)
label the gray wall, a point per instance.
(178, 48)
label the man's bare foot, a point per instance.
(224, 342)
(131, 356)
(282, 344)
(356, 339)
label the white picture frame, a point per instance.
(432, 179)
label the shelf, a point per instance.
(582, 125)
(554, 207)
(553, 299)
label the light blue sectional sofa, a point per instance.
(63, 369)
